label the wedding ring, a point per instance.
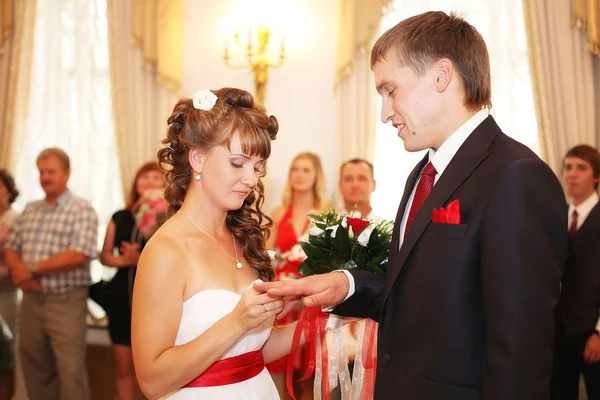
(264, 308)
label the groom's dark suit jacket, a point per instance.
(466, 311)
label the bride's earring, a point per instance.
(197, 177)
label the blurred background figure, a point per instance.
(304, 194)
(49, 254)
(123, 244)
(8, 291)
(577, 347)
(356, 185)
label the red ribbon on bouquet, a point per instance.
(369, 359)
(311, 324)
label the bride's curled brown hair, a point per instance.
(235, 112)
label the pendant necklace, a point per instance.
(238, 264)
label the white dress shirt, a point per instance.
(440, 160)
(583, 210)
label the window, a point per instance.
(501, 24)
(70, 106)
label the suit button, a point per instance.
(386, 358)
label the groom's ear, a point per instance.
(443, 71)
(197, 158)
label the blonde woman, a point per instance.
(304, 194)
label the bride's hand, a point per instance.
(254, 308)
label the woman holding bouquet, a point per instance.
(304, 194)
(123, 235)
(200, 330)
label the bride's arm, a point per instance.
(280, 342)
(162, 367)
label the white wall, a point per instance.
(299, 94)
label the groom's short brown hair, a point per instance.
(421, 40)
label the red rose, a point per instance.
(358, 224)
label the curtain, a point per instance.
(586, 16)
(358, 22)
(141, 105)
(6, 20)
(17, 24)
(69, 105)
(563, 79)
(158, 32)
(356, 101)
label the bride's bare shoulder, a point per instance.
(165, 249)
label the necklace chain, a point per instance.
(237, 261)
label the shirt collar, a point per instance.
(442, 157)
(63, 198)
(585, 208)
(358, 214)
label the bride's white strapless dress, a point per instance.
(200, 312)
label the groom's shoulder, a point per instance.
(507, 153)
(508, 157)
(510, 150)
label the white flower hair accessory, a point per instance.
(204, 100)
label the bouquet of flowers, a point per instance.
(337, 242)
(340, 242)
(150, 212)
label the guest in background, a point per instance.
(123, 238)
(304, 194)
(357, 183)
(577, 348)
(49, 254)
(8, 290)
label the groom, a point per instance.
(465, 309)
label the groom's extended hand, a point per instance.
(326, 290)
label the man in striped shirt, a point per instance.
(49, 255)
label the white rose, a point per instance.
(363, 238)
(316, 231)
(333, 230)
(204, 100)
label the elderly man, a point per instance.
(49, 255)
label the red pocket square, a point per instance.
(448, 215)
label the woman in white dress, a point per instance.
(199, 329)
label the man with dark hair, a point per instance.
(49, 254)
(577, 349)
(356, 185)
(466, 307)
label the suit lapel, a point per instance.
(473, 151)
(592, 216)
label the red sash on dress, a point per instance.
(231, 370)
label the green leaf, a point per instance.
(318, 240)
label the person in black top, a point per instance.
(577, 349)
(123, 236)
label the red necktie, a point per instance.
(423, 189)
(573, 227)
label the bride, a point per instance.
(199, 329)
